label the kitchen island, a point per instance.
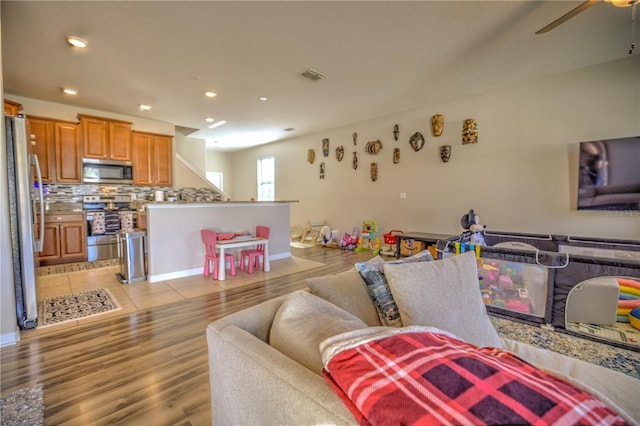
(174, 245)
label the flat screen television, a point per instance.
(609, 176)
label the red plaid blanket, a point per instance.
(433, 378)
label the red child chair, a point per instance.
(255, 254)
(210, 239)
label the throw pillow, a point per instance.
(443, 294)
(302, 322)
(347, 291)
(372, 273)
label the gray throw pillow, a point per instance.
(443, 294)
(302, 322)
(348, 291)
(372, 272)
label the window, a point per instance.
(266, 179)
(216, 179)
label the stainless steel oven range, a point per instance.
(105, 217)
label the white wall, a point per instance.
(218, 161)
(57, 111)
(520, 177)
(193, 150)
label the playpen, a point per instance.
(571, 283)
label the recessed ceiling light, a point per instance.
(263, 98)
(209, 120)
(210, 94)
(68, 91)
(219, 123)
(144, 107)
(77, 42)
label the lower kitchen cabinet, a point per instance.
(65, 238)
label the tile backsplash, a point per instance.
(59, 193)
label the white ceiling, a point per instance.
(379, 57)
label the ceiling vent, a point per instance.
(313, 75)
(289, 129)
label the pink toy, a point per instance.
(504, 282)
(349, 242)
(518, 306)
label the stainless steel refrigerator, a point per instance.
(24, 197)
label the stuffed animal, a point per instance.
(471, 222)
(329, 236)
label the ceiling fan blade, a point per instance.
(587, 4)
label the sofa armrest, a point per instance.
(253, 383)
(616, 389)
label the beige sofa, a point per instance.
(253, 383)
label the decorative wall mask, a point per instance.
(445, 153)
(373, 147)
(355, 138)
(322, 170)
(354, 161)
(396, 132)
(396, 155)
(416, 141)
(340, 153)
(311, 156)
(469, 131)
(374, 172)
(325, 147)
(437, 124)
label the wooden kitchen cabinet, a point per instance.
(68, 152)
(65, 238)
(41, 135)
(57, 145)
(106, 139)
(11, 108)
(152, 159)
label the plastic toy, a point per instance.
(368, 239)
(391, 240)
(471, 222)
(350, 241)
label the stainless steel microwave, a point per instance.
(106, 171)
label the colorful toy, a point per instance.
(368, 239)
(634, 318)
(628, 299)
(350, 241)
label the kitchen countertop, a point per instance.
(58, 208)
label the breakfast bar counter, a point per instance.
(174, 244)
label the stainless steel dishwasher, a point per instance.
(132, 251)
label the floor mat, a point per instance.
(23, 407)
(70, 307)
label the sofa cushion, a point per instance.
(348, 291)
(372, 273)
(303, 321)
(443, 294)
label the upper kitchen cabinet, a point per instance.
(152, 159)
(68, 152)
(41, 143)
(11, 108)
(106, 139)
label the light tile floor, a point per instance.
(143, 295)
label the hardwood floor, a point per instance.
(148, 367)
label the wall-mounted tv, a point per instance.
(609, 174)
